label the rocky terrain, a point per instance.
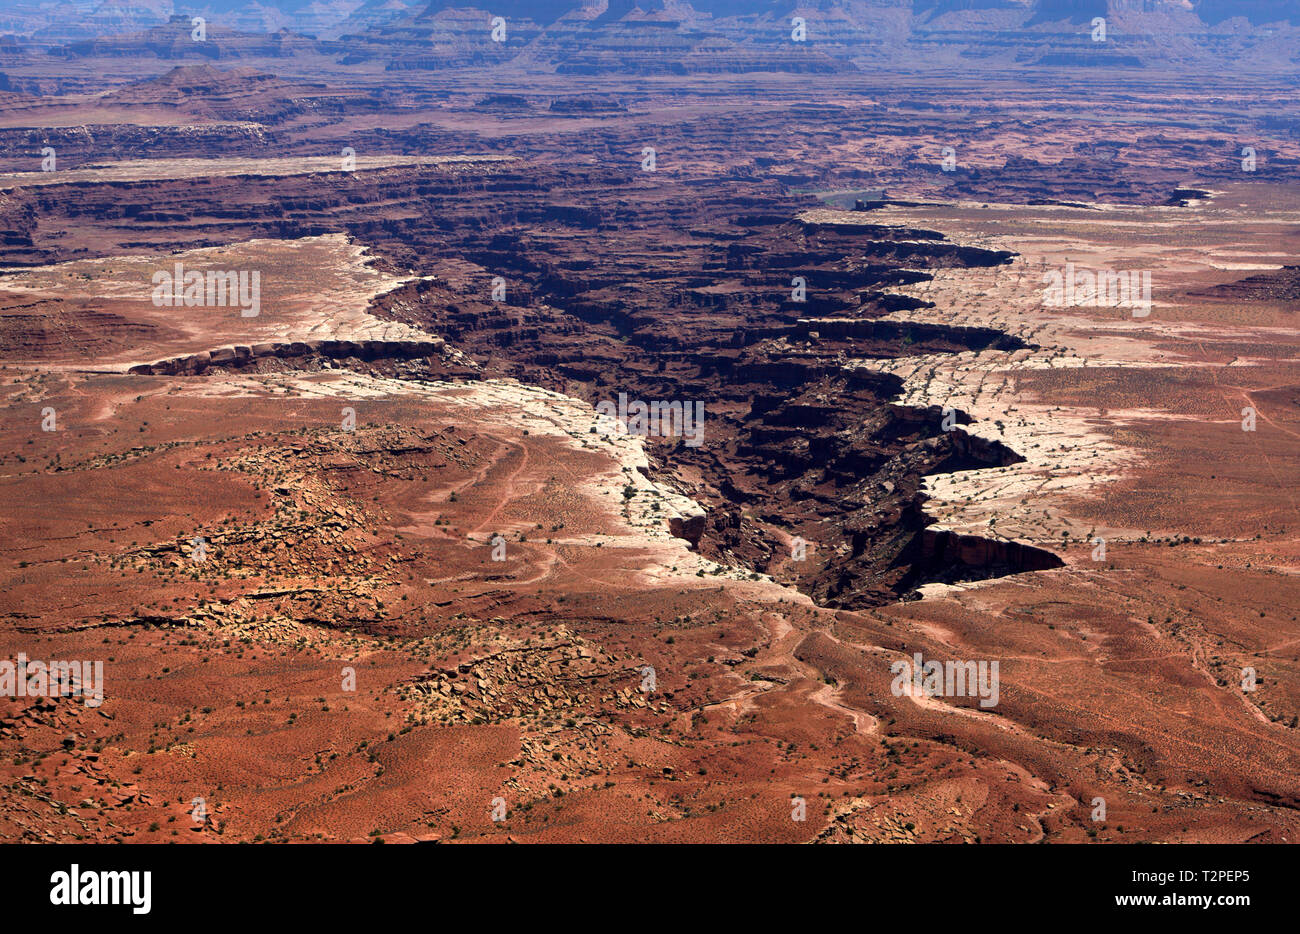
(674, 36)
(363, 559)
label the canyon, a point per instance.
(367, 561)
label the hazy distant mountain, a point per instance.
(373, 13)
(1080, 11)
(329, 18)
(1256, 11)
(70, 20)
(678, 36)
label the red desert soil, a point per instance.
(365, 563)
(329, 551)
